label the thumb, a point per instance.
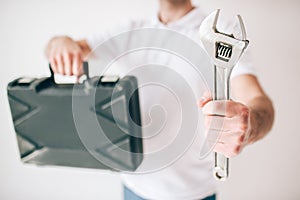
(206, 97)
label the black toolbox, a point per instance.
(94, 124)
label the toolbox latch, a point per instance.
(109, 79)
(25, 81)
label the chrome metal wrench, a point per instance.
(224, 50)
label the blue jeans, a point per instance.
(130, 195)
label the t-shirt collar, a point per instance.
(191, 20)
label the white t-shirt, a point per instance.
(162, 175)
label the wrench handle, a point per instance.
(221, 92)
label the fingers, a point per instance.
(77, 68)
(226, 131)
(67, 64)
(225, 108)
(226, 151)
(228, 144)
(65, 56)
(227, 125)
(231, 138)
(60, 65)
(53, 65)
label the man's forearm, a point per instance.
(261, 118)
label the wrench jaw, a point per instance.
(239, 30)
(224, 50)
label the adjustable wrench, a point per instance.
(224, 50)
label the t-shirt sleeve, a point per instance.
(245, 64)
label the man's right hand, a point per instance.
(66, 55)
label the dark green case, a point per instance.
(95, 124)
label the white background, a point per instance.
(268, 169)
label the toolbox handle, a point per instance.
(85, 71)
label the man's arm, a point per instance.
(66, 55)
(240, 122)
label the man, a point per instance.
(246, 120)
